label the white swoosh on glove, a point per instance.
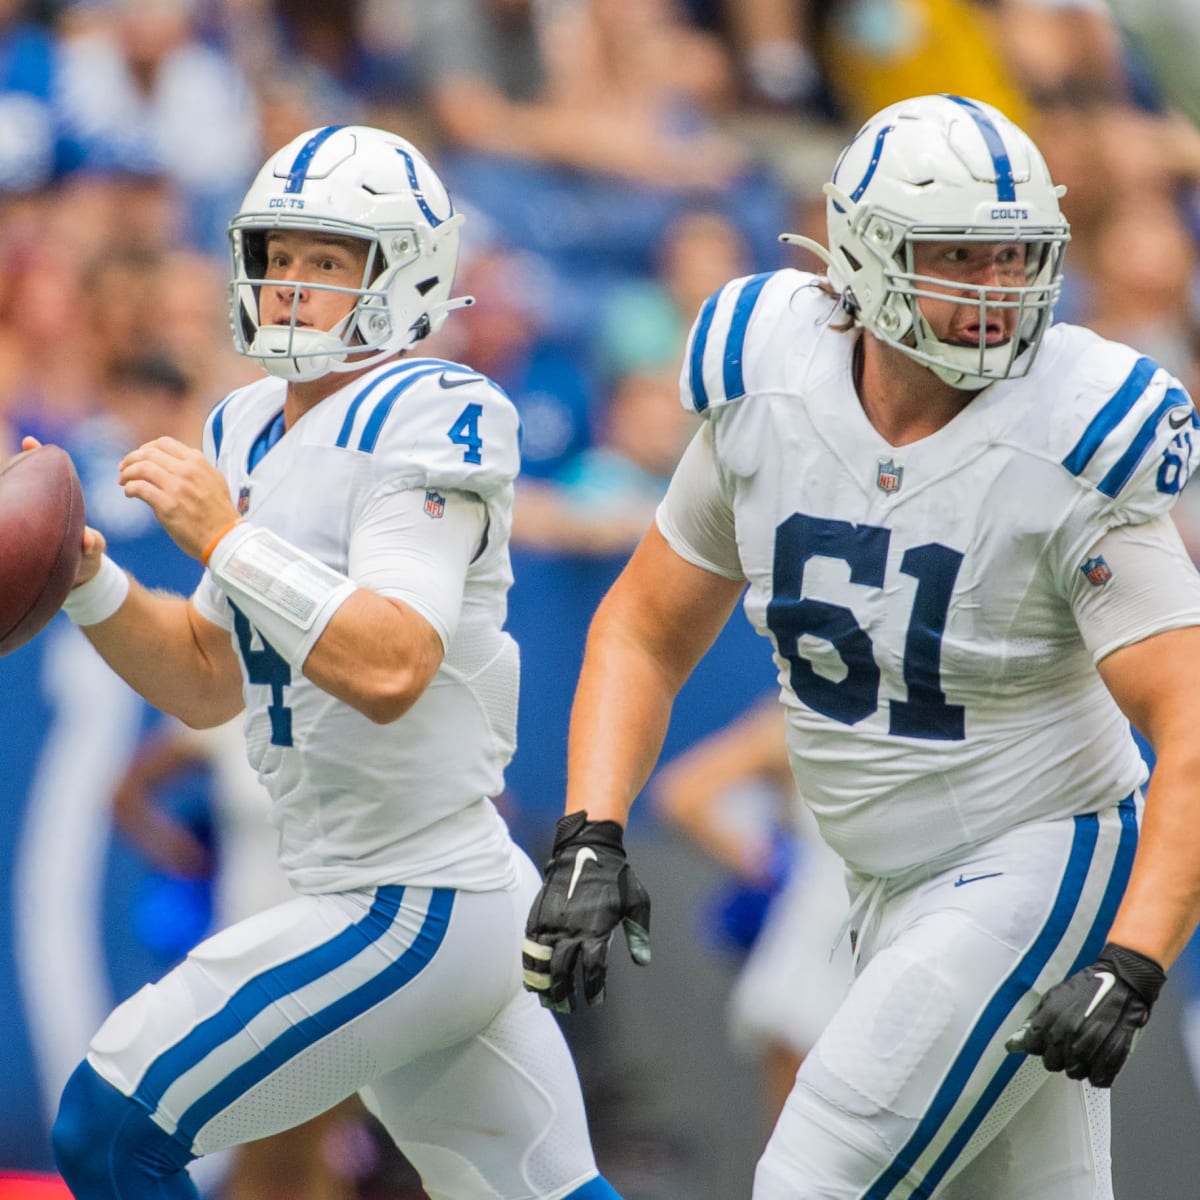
(1107, 981)
(583, 855)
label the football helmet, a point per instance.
(359, 182)
(944, 169)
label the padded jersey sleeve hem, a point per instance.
(1140, 582)
(416, 546)
(696, 517)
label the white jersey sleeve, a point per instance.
(1128, 435)
(721, 362)
(439, 426)
(412, 549)
(696, 515)
(1140, 582)
(1136, 442)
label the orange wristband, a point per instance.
(208, 550)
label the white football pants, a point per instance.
(410, 996)
(909, 1091)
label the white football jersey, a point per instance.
(918, 598)
(359, 804)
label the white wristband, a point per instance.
(97, 600)
(287, 594)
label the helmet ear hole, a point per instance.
(254, 248)
(427, 285)
(247, 325)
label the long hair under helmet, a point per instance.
(357, 182)
(944, 169)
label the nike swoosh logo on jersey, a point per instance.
(584, 855)
(964, 879)
(453, 381)
(1184, 415)
(1106, 981)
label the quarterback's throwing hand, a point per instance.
(589, 890)
(1087, 1024)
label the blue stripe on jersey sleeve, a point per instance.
(699, 343)
(343, 437)
(1111, 415)
(735, 344)
(373, 387)
(1120, 472)
(218, 424)
(379, 414)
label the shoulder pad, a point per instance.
(429, 423)
(717, 367)
(1131, 432)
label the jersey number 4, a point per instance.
(791, 615)
(465, 432)
(265, 665)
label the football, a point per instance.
(41, 540)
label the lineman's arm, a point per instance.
(651, 629)
(648, 634)
(1088, 1024)
(1154, 682)
(1142, 624)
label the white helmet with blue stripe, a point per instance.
(943, 168)
(359, 182)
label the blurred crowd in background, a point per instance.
(618, 160)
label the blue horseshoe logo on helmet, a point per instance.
(418, 194)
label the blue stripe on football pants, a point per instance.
(264, 989)
(1022, 978)
(1091, 948)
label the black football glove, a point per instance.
(589, 890)
(1087, 1025)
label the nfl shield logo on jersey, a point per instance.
(1097, 571)
(435, 505)
(889, 476)
(243, 500)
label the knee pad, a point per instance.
(106, 1146)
